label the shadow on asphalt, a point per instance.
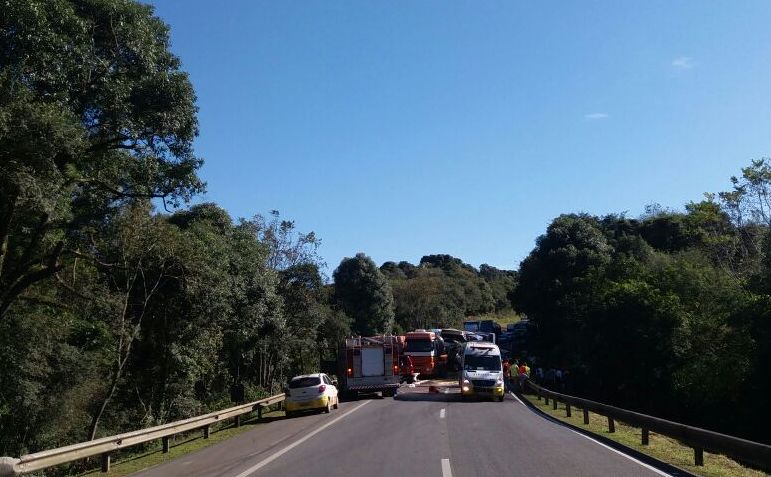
(435, 397)
(361, 397)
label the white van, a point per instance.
(481, 371)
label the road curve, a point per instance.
(416, 434)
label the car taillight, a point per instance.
(350, 372)
(396, 369)
(322, 388)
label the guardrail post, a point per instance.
(165, 440)
(554, 401)
(206, 432)
(546, 397)
(611, 425)
(7, 466)
(645, 437)
(105, 462)
(698, 456)
(259, 411)
(586, 417)
(238, 421)
(567, 409)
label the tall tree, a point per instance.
(364, 294)
(113, 121)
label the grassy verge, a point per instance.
(184, 444)
(503, 317)
(660, 447)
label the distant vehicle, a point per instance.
(311, 392)
(523, 337)
(481, 371)
(505, 340)
(453, 345)
(368, 364)
(427, 350)
(486, 326)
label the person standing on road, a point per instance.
(407, 368)
(507, 374)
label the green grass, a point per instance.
(660, 447)
(184, 444)
(502, 317)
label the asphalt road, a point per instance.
(416, 434)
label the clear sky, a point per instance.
(404, 128)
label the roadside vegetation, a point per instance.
(660, 447)
(669, 313)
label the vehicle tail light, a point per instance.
(322, 388)
(396, 369)
(350, 372)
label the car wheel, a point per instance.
(337, 403)
(328, 409)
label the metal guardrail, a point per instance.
(753, 453)
(12, 467)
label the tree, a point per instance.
(557, 279)
(112, 122)
(364, 294)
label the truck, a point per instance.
(368, 364)
(427, 351)
(485, 326)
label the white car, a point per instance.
(311, 392)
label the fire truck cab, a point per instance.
(427, 351)
(369, 364)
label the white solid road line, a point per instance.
(291, 446)
(446, 471)
(516, 397)
(441, 414)
(649, 467)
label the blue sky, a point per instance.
(404, 128)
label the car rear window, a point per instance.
(304, 382)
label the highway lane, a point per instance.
(417, 434)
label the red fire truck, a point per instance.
(369, 364)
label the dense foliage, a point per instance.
(114, 316)
(442, 290)
(666, 314)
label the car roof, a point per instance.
(482, 347)
(314, 375)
